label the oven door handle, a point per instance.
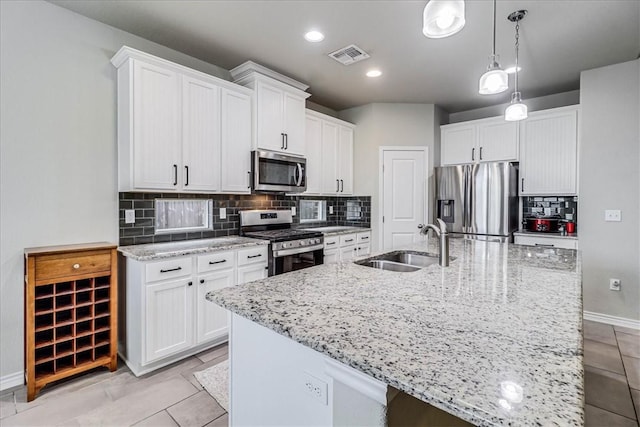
(295, 251)
(299, 179)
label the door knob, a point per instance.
(420, 226)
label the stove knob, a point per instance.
(284, 245)
(302, 243)
(317, 240)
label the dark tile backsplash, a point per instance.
(566, 207)
(142, 231)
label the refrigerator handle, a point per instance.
(466, 217)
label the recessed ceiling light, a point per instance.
(512, 70)
(314, 36)
(374, 73)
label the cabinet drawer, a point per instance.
(347, 240)
(551, 242)
(331, 242)
(253, 255)
(216, 261)
(79, 263)
(168, 268)
(364, 237)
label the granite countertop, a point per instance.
(187, 247)
(543, 235)
(338, 229)
(494, 339)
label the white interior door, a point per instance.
(404, 193)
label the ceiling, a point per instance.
(558, 39)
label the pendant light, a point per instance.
(442, 18)
(495, 79)
(516, 110)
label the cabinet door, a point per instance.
(235, 165)
(347, 253)
(156, 137)
(330, 180)
(252, 272)
(497, 140)
(168, 318)
(294, 124)
(458, 144)
(213, 320)
(313, 131)
(363, 250)
(549, 153)
(270, 112)
(345, 160)
(330, 257)
(200, 135)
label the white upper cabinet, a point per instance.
(549, 151)
(235, 164)
(200, 134)
(279, 108)
(486, 140)
(173, 124)
(329, 155)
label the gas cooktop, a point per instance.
(282, 235)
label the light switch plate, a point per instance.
(331, 210)
(612, 215)
(223, 213)
(293, 211)
(129, 216)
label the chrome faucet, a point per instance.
(443, 236)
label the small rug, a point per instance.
(216, 381)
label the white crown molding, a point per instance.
(250, 68)
(12, 380)
(612, 320)
(328, 118)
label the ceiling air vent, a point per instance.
(349, 55)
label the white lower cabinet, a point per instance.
(547, 241)
(346, 246)
(167, 317)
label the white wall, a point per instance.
(609, 179)
(562, 99)
(387, 124)
(58, 142)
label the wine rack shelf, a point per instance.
(70, 312)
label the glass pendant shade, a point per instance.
(516, 110)
(443, 18)
(494, 80)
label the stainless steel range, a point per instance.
(290, 249)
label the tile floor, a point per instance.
(168, 397)
(173, 397)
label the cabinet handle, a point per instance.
(365, 237)
(171, 269)
(282, 146)
(480, 153)
(175, 174)
(331, 243)
(341, 186)
(201, 280)
(337, 185)
(348, 240)
(286, 141)
(254, 256)
(249, 175)
(522, 186)
(190, 283)
(187, 180)
(217, 262)
(76, 266)
(473, 154)
(544, 245)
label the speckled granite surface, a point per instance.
(337, 230)
(495, 339)
(187, 247)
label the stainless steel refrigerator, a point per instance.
(478, 201)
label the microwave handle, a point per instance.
(299, 168)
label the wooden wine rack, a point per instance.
(70, 312)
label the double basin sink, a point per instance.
(402, 261)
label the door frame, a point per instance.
(425, 184)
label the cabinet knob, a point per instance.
(190, 283)
(76, 266)
(201, 280)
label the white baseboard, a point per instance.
(12, 380)
(612, 320)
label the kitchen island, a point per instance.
(494, 339)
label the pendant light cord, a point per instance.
(517, 46)
(494, 31)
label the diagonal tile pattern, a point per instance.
(173, 397)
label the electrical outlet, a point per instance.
(293, 211)
(315, 387)
(223, 213)
(614, 284)
(612, 215)
(330, 210)
(129, 216)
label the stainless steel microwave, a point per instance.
(278, 173)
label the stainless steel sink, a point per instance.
(405, 261)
